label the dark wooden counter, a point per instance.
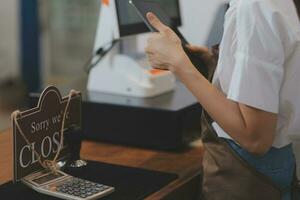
(186, 164)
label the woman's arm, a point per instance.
(253, 129)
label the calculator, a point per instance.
(64, 186)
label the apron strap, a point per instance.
(208, 134)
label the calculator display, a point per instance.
(46, 178)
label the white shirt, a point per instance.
(259, 63)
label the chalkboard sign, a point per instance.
(42, 126)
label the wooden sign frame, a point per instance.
(41, 126)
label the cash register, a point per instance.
(124, 70)
(127, 101)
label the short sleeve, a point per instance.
(259, 58)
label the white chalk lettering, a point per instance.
(48, 139)
(56, 141)
(36, 127)
(56, 119)
(34, 158)
(49, 145)
(23, 165)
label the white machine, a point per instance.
(118, 72)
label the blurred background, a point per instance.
(43, 42)
(47, 42)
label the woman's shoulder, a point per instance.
(268, 11)
(267, 6)
(272, 17)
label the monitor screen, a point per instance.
(130, 23)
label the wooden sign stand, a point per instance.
(42, 126)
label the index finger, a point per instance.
(155, 22)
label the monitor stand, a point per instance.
(122, 73)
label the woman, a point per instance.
(253, 102)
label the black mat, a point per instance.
(130, 183)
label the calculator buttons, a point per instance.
(81, 188)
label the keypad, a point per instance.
(81, 188)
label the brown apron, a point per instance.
(227, 176)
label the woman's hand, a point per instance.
(164, 49)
